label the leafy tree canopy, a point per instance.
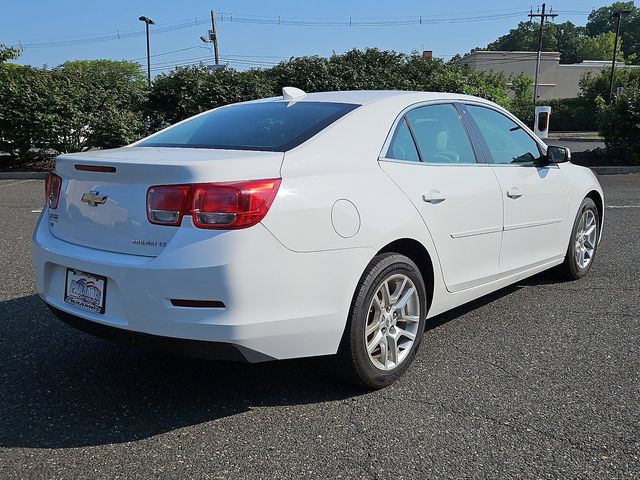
(8, 53)
(600, 21)
(575, 44)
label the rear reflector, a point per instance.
(95, 168)
(223, 206)
(197, 303)
(52, 190)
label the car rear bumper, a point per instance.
(177, 346)
(277, 303)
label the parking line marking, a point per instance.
(15, 183)
(37, 211)
(623, 206)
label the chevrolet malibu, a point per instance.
(329, 223)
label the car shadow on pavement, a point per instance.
(60, 388)
(547, 277)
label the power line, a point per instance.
(273, 20)
(109, 37)
(167, 53)
(355, 22)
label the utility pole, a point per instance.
(147, 21)
(617, 15)
(543, 16)
(213, 36)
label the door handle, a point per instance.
(513, 192)
(434, 196)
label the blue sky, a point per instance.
(56, 31)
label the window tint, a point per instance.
(271, 126)
(507, 142)
(402, 146)
(440, 135)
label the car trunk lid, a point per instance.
(103, 197)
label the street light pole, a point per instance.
(617, 15)
(147, 21)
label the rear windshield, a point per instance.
(270, 126)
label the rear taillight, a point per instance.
(52, 190)
(231, 205)
(166, 204)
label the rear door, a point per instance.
(458, 197)
(535, 197)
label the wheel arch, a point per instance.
(417, 252)
(599, 201)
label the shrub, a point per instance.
(105, 104)
(620, 125)
(76, 106)
(567, 114)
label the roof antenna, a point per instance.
(291, 94)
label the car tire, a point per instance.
(583, 243)
(386, 322)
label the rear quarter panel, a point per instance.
(339, 164)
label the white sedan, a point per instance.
(310, 224)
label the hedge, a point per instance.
(567, 114)
(104, 104)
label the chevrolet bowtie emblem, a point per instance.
(93, 198)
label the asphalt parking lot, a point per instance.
(540, 380)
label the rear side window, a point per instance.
(440, 135)
(402, 146)
(268, 126)
(506, 140)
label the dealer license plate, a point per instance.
(85, 290)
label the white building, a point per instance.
(556, 80)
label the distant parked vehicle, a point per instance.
(310, 224)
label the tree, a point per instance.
(599, 48)
(26, 117)
(558, 37)
(600, 21)
(8, 53)
(100, 103)
(592, 42)
(594, 86)
(522, 88)
(76, 106)
(187, 91)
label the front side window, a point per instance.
(440, 135)
(268, 126)
(506, 140)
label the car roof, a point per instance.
(364, 97)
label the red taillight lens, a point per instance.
(225, 206)
(52, 190)
(233, 205)
(166, 204)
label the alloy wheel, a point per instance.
(586, 239)
(392, 322)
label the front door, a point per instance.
(535, 197)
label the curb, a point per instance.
(614, 170)
(23, 175)
(575, 139)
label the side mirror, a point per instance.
(558, 154)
